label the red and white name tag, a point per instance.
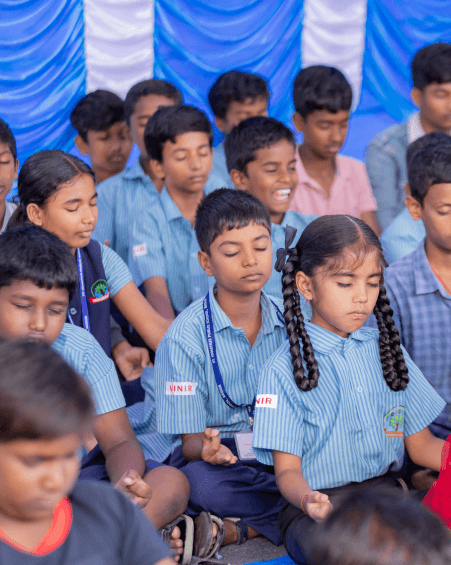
(266, 401)
(140, 249)
(180, 389)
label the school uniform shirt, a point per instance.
(422, 314)
(9, 209)
(219, 173)
(402, 236)
(143, 418)
(350, 192)
(164, 245)
(188, 399)
(95, 525)
(351, 427)
(297, 221)
(84, 354)
(120, 199)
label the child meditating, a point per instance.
(338, 404)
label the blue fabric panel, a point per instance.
(42, 71)
(196, 41)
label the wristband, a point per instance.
(302, 504)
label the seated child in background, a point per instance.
(438, 498)
(207, 370)
(122, 197)
(46, 516)
(103, 133)
(386, 154)
(57, 192)
(38, 277)
(9, 166)
(405, 233)
(419, 285)
(329, 183)
(261, 158)
(380, 527)
(357, 401)
(163, 255)
(234, 97)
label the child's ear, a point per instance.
(239, 179)
(414, 207)
(304, 284)
(81, 144)
(204, 261)
(417, 96)
(221, 124)
(35, 214)
(157, 168)
(298, 121)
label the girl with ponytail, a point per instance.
(338, 404)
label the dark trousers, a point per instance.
(246, 490)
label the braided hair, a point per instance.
(324, 240)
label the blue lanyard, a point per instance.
(84, 302)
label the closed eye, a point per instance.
(344, 285)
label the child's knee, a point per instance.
(170, 483)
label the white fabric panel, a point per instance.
(118, 43)
(334, 35)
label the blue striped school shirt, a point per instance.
(219, 173)
(183, 359)
(297, 221)
(351, 427)
(121, 198)
(164, 245)
(422, 314)
(84, 354)
(402, 236)
(143, 419)
(116, 271)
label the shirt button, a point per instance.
(359, 389)
(251, 367)
(73, 311)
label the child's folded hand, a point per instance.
(135, 488)
(214, 452)
(317, 505)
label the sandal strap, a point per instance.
(188, 538)
(241, 529)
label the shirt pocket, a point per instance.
(386, 411)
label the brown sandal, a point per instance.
(187, 529)
(204, 551)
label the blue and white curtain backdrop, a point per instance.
(52, 52)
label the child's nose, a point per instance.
(38, 321)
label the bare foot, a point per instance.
(176, 543)
(231, 535)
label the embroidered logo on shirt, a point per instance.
(99, 291)
(181, 389)
(394, 422)
(266, 400)
(139, 250)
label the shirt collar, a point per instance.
(137, 172)
(270, 320)
(304, 177)
(414, 128)
(325, 341)
(425, 280)
(170, 208)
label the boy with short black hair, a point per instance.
(163, 256)
(45, 515)
(386, 153)
(123, 196)
(38, 276)
(207, 368)
(329, 183)
(9, 167)
(102, 132)
(234, 97)
(419, 285)
(261, 159)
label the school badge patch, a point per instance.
(394, 422)
(99, 291)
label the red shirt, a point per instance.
(438, 499)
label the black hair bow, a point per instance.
(290, 233)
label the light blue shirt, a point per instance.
(402, 236)
(297, 221)
(164, 245)
(84, 354)
(352, 426)
(143, 418)
(220, 174)
(121, 198)
(116, 271)
(188, 400)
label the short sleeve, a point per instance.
(116, 271)
(278, 422)
(423, 404)
(181, 389)
(147, 257)
(104, 229)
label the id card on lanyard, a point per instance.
(83, 300)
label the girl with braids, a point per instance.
(338, 404)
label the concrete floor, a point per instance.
(257, 549)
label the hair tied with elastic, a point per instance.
(283, 252)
